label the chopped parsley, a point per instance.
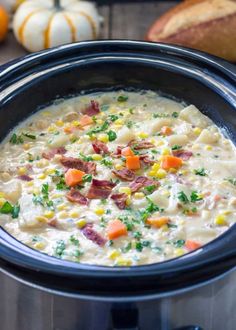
(231, 180)
(87, 178)
(44, 198)
(104, 107)
(175, 114)
(85, 158)
(183, 197)
(126, 248)
(60, 248)
(7, 208)
(160, 115)
(179, 243)
(131, 111)
(29, 136)
(107, 162)
(200, 171)
(122, 98)
(16, 139)
(74, 240)
(176, 147)
(111, 135)
(195, 197)
(113, 117)
(150, 188)
(137, 235)
(128, 222)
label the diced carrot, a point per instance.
(86, 120)
(68, 129)
(127, 151)
(115, 229)
(217, 198)
(73, 177)
(133, 162)
(166, 130)
(192, 245)
(171, 162)
(158, 222)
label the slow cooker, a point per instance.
(192, 292)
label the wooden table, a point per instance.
(122, 20)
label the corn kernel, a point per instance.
(51, 129)
(118, 166)
(100, 121)
(41, 219)
(155, 166)
(2, 201)
(50, 171)
(2, 194)
(128, 201)
(164, 228)
(161, 174)
(183, 172)
(179, 252)
(172, 170)
(119, 122)
(61, 207)
(142, 135)
(197, 130)
(62, 215)
(165, 193)
(103, 138)
(59, 123)
(159, 143)
(118, 126)
(151, 173)
(208, 147)
(30, 183)
(226, 212)
(138, 195)
(75, 123)
(114, 254)
(220, 220)
(22, 170)
(125, 190)
(74, 214)
(57, 195)
(153, 141)
(49, 214)
(36, 191)
(42, 176)
(39, 245)
(97, 157)
(81, 223)
(26, 146)
(92, 137)
(99, 211)
(46, 113)
(123, 262)
(165, 151)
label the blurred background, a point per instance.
(33, 25)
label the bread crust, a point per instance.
(216, 36)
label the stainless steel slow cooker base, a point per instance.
(210, 307)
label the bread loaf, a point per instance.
(207, 25)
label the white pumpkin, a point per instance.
(40, 24)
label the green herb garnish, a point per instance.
(122, 98)
(111, 135)
(176, 147)
(16, 139)
(200, 171)
(87, 178)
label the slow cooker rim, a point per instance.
(122, 271)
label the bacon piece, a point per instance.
(75, 196)
(146, 160)
(79, 164)
(141, 182)
(100, 147)
(100, 189)
(138, 145)
(124, 174)
(185, 155)
(120, 200)
(25, 177)
(93, 109)
(117, 153)
(92, 235)
(56, 151)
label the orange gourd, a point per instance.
(4, 21)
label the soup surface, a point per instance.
(117, 178)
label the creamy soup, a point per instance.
(117, 179)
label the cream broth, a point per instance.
(117, 179)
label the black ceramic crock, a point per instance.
(34, 81)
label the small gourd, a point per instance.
(3, 23)
(40, 24)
